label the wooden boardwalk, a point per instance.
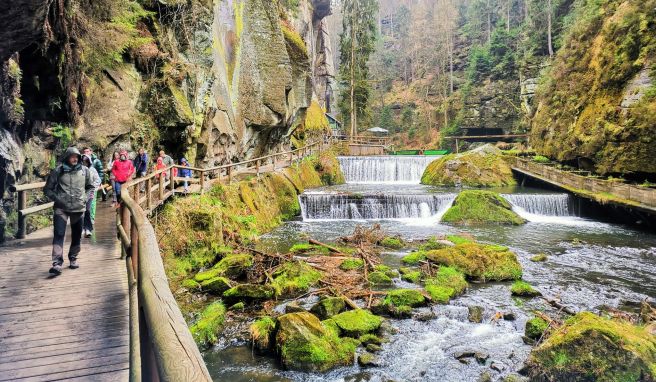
(70, 327)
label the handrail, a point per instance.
(166, 350)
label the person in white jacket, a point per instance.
(95, 180)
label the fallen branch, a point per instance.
(556, 304)
(328, 247)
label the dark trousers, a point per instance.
(88, 221)
(60, 219)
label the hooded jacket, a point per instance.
(123, 169)
(98, 165)
(68, 186)
(185, 173)
(95, 178)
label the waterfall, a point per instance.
(385, 169)
(541, 204)
(323, 206)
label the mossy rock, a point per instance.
(404, 297)
(209, 325)
(414, 258)
(535, 328)
(249, 292)
(387, 270)
(413, 276)
(355, 323)
(434, 243)
(473, 207)
(592, 348)
(483, 167)
(475, 314)
(541, 257)
(351, 264)
(262, 333)
(304, 344)
(231, 266)
(368, 360)
(447, 283)
(307, 249)
(523, 289)
(294, 277)
(392, 242)
(191, 284)
(479, 262)
(328, 307)
(379, 279)
(217, 285)
(368, 339)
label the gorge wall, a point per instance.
(215, 81)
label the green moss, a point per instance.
(479, 262)
(262, 332)
(472, 169)
(238, 306)
(355, 323)
(308, 249)
(295, 44)
(523, 289)
(589, 347)
(316, 120)
(405, 297)
(414, 258)
(431, 244)
(477, 207)
(413, 276)
(249, 292)
(445, 284)
(304, 344)
(535, 328)
(328, 307)
(351, 264)
(294, 278)
(392, 242)
(331, 327)
(458, 239)
(379, 278)
(388, 271)
(539, 258)
(367, 339)
(208, 326)
(216, 285)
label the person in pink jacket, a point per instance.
(122, 170)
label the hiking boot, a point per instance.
(87, 233)
(73, 264)
(56, 269)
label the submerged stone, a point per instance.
(305, 345)
(355, 323)
(480, 207)
(539, 258)
(523, 289)
(479, 262)
(475, 314)
(592, 348)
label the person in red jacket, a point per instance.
(123, 169)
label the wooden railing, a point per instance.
(161, 345)
(23, 210)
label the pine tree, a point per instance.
(357, 42)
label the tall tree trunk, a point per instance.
(549, 29)
(451, 62)
(353, 41)
(508, 15)
(489, 22)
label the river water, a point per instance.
(591, 265)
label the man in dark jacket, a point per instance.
(68, 186)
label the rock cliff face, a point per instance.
(216, 81)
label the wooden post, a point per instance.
(274, 162)
(257, 167)
(162, 179)
(134, 246)
(291, 158)
(457, 146)
(22, 204)
(229, 174)
(202, 181)
(149, 194)
(136, 195)
(172, 184)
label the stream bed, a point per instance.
(590, 265)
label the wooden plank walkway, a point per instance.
(70, 327)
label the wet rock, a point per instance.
(389, 272)
(368, 360)
(262, 333)
(509, 316)
(231, 266)
(209, 325)
(305, 345)
(355, 323)
(328, 307)
(399, 303)
(447, 283)
(425, 316)
(249, 292)
(592, 348)
(216, 286)
(485, 377)
(496, 366)
(480, 357)
(475, 314)
(373, 348)
(379, 279)
(535, 328)
(480, 207)
(541, 257)
(294, 307)
(370, 339)
(523, 289)
(294, 278)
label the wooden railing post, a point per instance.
(22, 204)
(257, 167)
(149, 194)
(162, 179)
(134, 244)
(202, 181)
(172, 184)
(229, 174)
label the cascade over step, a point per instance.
(385, 169)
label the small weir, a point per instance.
(324, 206)
(385, 169)
(544, 208)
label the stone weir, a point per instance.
(385, 169)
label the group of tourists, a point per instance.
(75, 184)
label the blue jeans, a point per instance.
(117, 190)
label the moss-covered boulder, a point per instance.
(216, 286)
(392, 242)
(209, 325)
(480, 207)
(540, 257)
(328, 307)
(535, 328)
(304, 344)
(414, 258)
(523, 289)
(351, 264)
(399, 303)
(294, 277)
(355, 323)
(479, 262)
(379, 278)
(262, 333)
(445, 284)
(249, 292)
(483, 167)
(413, 275)
(231, 266)
(592, 348)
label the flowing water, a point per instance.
(385, 169)
(591, 265)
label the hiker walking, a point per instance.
(98, 166)
(140, 163)
(115, 157)
(89, 214)
(68, 185)
(166, 159)
(122, 169)
(185, 173)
